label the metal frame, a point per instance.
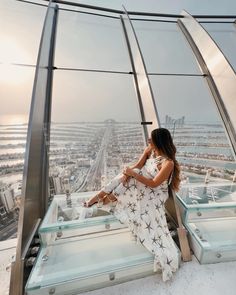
(76, 4)
(69, 3)
(35, 177)
(219, 73)
(117, 11)
(143, 88)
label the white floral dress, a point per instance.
(142, 209)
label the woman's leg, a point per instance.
(109, 198)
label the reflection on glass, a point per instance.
(225, 37)
(16, 90)
(95, 130)
(94, 42)
(188, 111)
(164, 48)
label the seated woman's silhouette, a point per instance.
(140, 193)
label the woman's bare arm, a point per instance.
(142, 158)
(163, 175)
(139, 164)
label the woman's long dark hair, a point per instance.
(162, 140)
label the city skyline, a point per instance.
(85, 155)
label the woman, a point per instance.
(141, 192)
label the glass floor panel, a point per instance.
(213, 240)
(67, 209)
(89, 262)
(67, 217)
(208, 194)
(209, 213)
(215, 233)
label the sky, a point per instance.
(97, 43)
(170, 6)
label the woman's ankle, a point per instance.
(111, 197)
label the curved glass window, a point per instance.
(225, 37)
(95, 129)
(94, 42)
(164, 48)
(21, 27)
(187, 109)
(20, 47)
(15, 92)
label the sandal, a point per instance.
(98, 200)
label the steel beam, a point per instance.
(35, 176)
(143, 88)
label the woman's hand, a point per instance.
(128, 171)
(125, 179)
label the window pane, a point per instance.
(225, 37)
(15, 92)
(95, 129)
(94, 42)
(187, 109)
(164, 48)
(20, 42)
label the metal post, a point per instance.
(218, 72)
(144, 92)
(34, 187)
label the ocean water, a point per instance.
(11, 120)
(11, 151)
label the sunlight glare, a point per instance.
(13, 119)
(10, 52)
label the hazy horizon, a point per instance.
(93, 42)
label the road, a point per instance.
(8, 231)
(92, 181)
